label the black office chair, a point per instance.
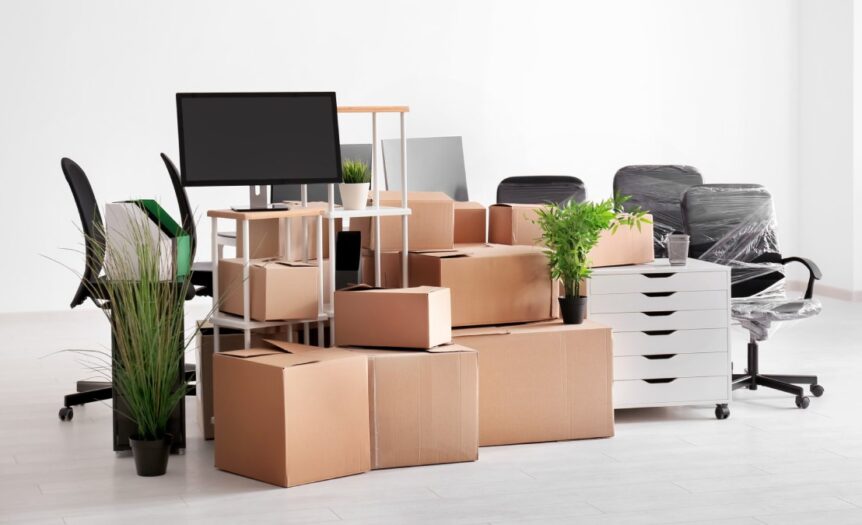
(657, 189)
(540, 189)
(202, 272)
(734, 225)
(88, 391)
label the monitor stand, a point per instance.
(258, 200)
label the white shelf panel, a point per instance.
(232, 321)
(383, 211)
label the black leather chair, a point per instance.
(734, 225)
(88, 391)
(657, 189)
(540, 189)
(202, 272)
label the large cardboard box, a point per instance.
(470, 223)
(266, 237)
(543, 381)
(390, 269)
(229, 339)
(490, 284)
(514, 224)
(291, 414)
(279, 289)
(397, 317)
(431, 223)
(424, 406)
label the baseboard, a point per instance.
(825, 290)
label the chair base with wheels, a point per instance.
(752, 379)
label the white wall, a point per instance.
(575, 87)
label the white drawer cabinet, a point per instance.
(671, 332)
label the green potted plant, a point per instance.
(355, 186)
(147, 322)
(569, 231)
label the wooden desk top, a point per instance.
(267, 214)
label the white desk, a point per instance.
(671, 330)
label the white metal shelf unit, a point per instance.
(375, 211)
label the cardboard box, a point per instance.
(390, 269)
(291, 414)
(279, 289)
(490, 284)
(430, 225)
(543, 381)
(266, 237)
(394, 318)
(513, 224)
(229, 339)
(424, 406)
(470, 223)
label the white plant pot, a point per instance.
(354, 196)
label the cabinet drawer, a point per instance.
(670, 342)
(669, 281)
(670, 365)
(682, 320)
(686, 390)
(655, 301)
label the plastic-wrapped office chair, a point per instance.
(540, 189)
(734, 225)
(657, 189)
(202, 272)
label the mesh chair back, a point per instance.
(91, 224)
(734, 225)
(540, 189)
(657, 189)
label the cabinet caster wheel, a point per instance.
(816, 390)
(722, 412)
(66, 414)
(802, 401)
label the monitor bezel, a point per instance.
(258, 182)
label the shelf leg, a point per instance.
(404, 222)
(216, 253)
(320, 277)
(246, 285)
(331, 275)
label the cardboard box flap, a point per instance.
(290, 348)
(249, 353)
(276, 261)
(442, 254)
(481, 330)
(450, 347)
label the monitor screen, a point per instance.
(245, 139)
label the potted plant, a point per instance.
(146, 315)
(355, 186)
(569, 231)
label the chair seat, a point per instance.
(757, 315)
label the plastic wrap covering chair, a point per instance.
(735, 225)
(202, 272)
(657, 189)
(540, 189)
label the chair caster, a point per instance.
(722, 412)
(802, 401)
(66, 414)
(816, 390)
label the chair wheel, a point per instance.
(66, 414)
(816, 390)
(722, 412)
(802, 401)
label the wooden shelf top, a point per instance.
(373, 109)
(267, 214)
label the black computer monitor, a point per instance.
(248, 139)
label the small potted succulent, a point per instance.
(356, 183)
(569, 231)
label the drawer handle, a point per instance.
(660, 380)
(658, 332)
(663, 313)
(658, 275)
(659, 356)
(658, 294)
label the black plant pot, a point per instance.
(574, 309)
(151, 456)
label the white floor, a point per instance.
(769, 463)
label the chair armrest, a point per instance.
(814, 273)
